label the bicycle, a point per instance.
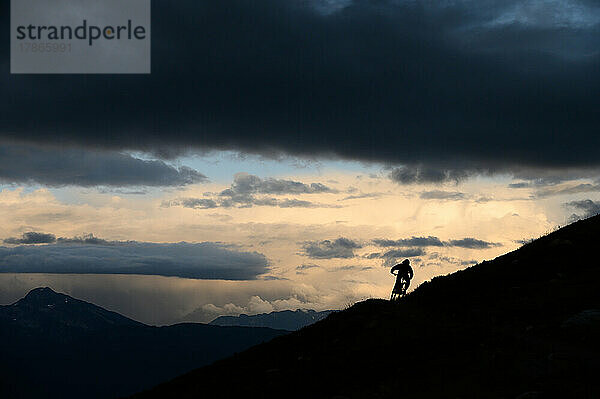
(400, 287)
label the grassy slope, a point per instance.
(495, 330)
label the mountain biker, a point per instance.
(404, 275)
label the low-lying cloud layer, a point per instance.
(91, 255)
(472, 243)
(589, 208)
(442, 195)
(431, 241)
(392, 256)
(245, 183)
(246, 202)
(31, 237)
(426, 174)
(327, 249)
(344, 248)
(243, 190)
(410, 242)
(568, 189)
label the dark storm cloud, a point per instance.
(242, 202)
(422, 174)
(569, 189)
(410, 242)
(362, 195)
(472, 243)
(459, 87)
(589, 208)
(327, 249)
(243, 190)
(294, 203)
(437, 259)
(87, 239)
(431, 241)
(393, 256)
(519, 185)
(78, 256)
(53, 166)
(442, 195)
(468, 262)
(402, 253)
(273, 278)
(193, 203)
(306, 267)
(104, 190)
(547, 178)
(31, 237)
(554, 182)
(244, 183)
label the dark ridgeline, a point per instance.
(56, 346)
(283, 320)
(525, 325)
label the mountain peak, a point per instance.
(43, 297)
(45, 308)
(41, 292)
(43, 289)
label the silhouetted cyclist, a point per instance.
(404, 275)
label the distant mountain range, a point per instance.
(56, 346)
(523, 326)
(285, 320)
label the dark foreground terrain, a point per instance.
(290, 320)
(55, 346)
(525, 325)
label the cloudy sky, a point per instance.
(284, 154)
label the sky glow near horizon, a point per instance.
(362, 205)
(286, 153)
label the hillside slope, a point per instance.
(56, 346)
(524, 325)
(290, 320)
